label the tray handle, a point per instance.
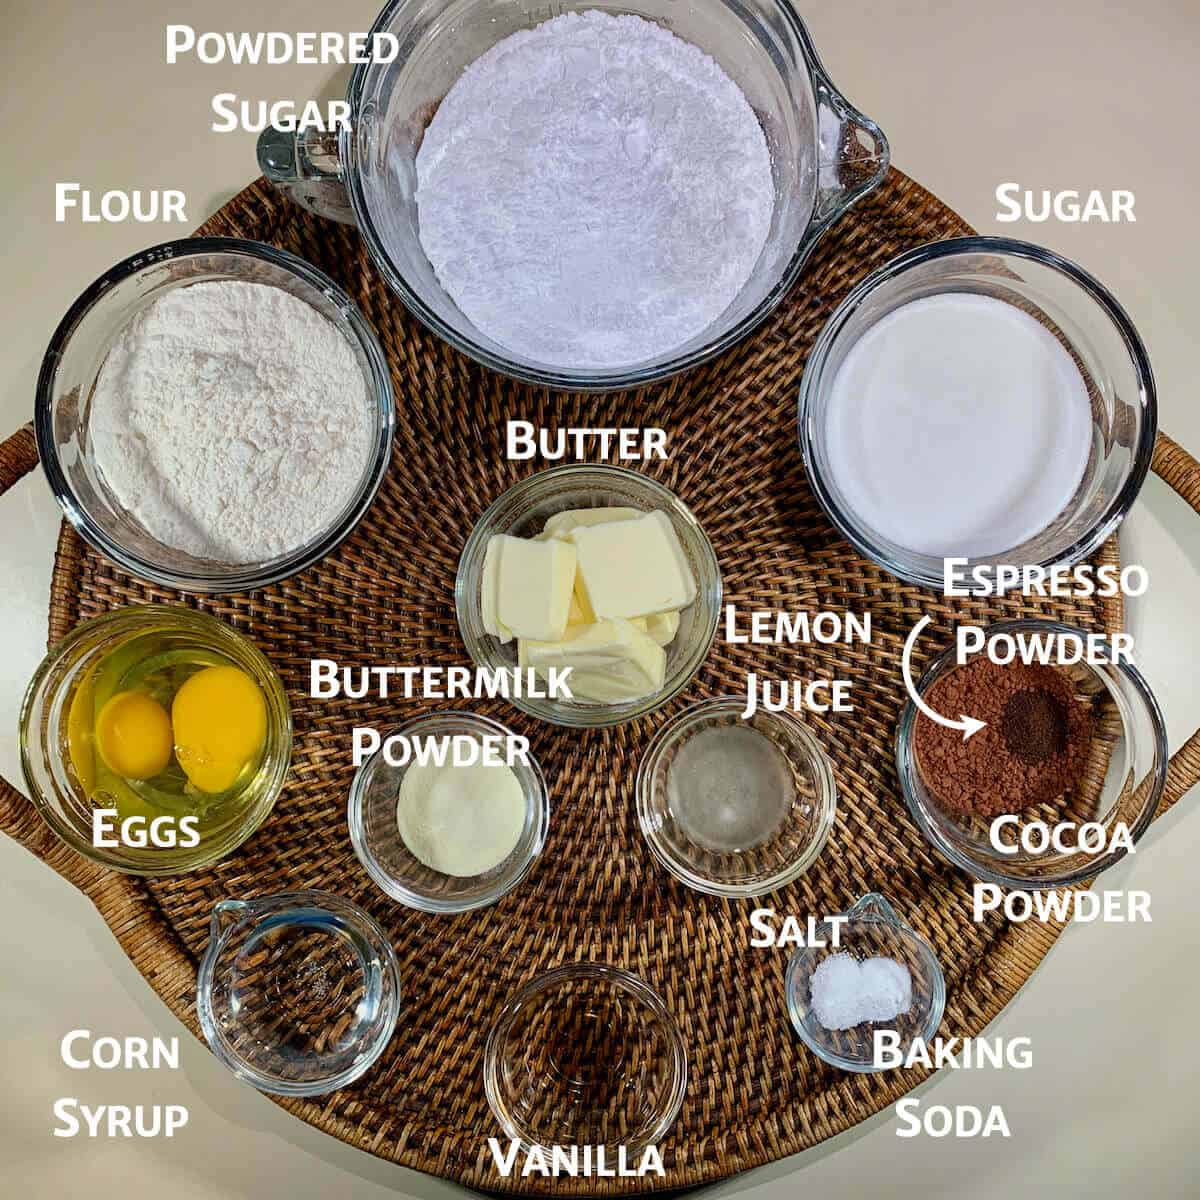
(18, 818)
(1181, 472)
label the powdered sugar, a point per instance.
(232, 420)
(594, 191)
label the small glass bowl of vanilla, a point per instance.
(155, 739)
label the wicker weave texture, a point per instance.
(386, 596)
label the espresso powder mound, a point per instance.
(1032, 750)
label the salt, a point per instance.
(845, 992)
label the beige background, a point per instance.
(1049, 93)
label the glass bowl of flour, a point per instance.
(979, 399)
(214, 415)
(594, 195)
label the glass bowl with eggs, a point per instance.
(598, 585)
(154, 739)
(214, 415)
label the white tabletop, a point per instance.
(1073, 94)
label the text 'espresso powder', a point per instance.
(1033, 749)
(594, 191)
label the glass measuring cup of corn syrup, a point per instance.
(155, 739)
(298, 993)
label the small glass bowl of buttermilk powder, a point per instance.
(214, 415)
(980, 399)
(735, 806)
(450, 813)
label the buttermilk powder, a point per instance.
(232, 420)
(594, 191)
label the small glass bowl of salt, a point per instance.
(879, 976)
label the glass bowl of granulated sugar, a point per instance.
(214, 415)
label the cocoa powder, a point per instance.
(1032, 750)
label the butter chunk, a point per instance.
(561, 524)
(611, 661)
(633, 568)
(580, 612)
(489, 591)
(663, 627)
(527, 588)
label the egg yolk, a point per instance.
(133, 735)
(220, 720)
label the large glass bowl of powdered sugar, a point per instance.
(214, 415)
(595, 195)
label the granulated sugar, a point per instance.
(232, 420)
(594, 191)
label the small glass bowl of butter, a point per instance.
(595, 568)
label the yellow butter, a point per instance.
(526, 588)
(561, 524)
(634, 568)
(662, 627)
(610, 661)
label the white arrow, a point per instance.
(969, 725)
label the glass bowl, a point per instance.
(585, 1055)
(872, 929)
(825, 155)
(375, 834)
(522, 511)
(1089, 323)
(59, 796)
(297, 993)
(1123, 778)
(769, 864)
(72, 364)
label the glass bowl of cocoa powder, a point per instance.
(1064, 777)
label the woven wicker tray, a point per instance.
(755, 1093)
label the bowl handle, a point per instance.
(852, 155)
(307, 167)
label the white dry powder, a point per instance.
(594, 191)
(232, 420)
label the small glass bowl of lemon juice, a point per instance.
(155, 739)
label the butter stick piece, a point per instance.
(611, 661)
(662, 627)
(489, 592)
(561, 524)
(529, 585)
(633, 568)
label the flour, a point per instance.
(594, 191)
(232, 420)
